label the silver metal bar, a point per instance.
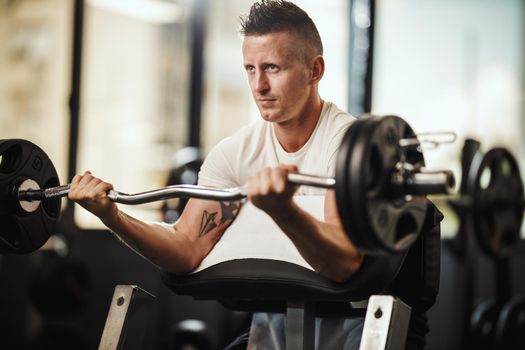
(429, 140)
(430, 182)
(436, 182)
(36, 194)
(311, 180)
(59, 191)
(179, 191)
(386, 324)
(407, 179)
(300, 326)
(201, 192)
(176, 191)
(127, 320)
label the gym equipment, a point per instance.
(496, 190)
(491, 200)
(26, 226)
(266, 285)
(124, 327)
(190, 334)
(490, 207)
(377, 183)
(380, 186)
(510, 327)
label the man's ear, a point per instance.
(317, 70)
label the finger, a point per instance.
(253, 186)
(279, 179)
(292, 168)
(76, 180)
(72, 195)
(91, 190)
(265, 181)
(86, 178)
(102, 189)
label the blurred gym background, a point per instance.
(138, 91)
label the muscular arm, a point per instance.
(323, 244)
(179, 248)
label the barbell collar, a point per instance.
(29, 191)
(423, 182)
(431, 182)
(27, 203)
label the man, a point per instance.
(282, 53)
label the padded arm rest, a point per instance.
(266, 285)
(264, 282)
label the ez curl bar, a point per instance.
(380, 185)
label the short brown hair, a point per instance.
(273, 16)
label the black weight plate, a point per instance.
(376, 219)
(366, 176)
(342, 175)
(22, 232)
(510, 328)
(496, 190)
(483, 325)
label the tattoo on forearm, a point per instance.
(229, 211)
(207, 223)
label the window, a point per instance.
(35, 64)
(452, 65)
(134, 96)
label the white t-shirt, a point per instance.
(253, 234)
(253, 147)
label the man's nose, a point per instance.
(261, 83)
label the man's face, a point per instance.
(278, 78)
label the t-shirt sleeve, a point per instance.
(333, 148)
(216, 171)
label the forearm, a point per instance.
(161, 244)
(323, 245)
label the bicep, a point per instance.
(331, 214)
(202, 217)
(346, 258)
(332, 218)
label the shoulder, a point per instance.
(226, 158)
(249, 132)
(232, 144)
(336, 118)
(334, 122)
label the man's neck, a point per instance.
(294, 134)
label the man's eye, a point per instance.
(250, 69)
(272, 67)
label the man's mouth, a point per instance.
(265, 102)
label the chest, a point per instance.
(308, 161)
